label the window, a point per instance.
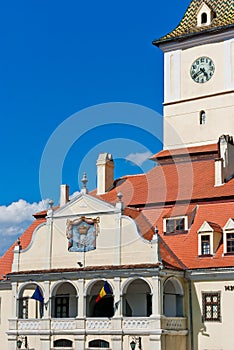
(61, 343)
(211, 307)
(204, 18)
(175, 225)
(98, 343)
(230, 242)
(62, 306)
(202, 117)
(205, 245)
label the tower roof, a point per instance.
(223, 16)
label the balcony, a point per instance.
(126, 325)
(174, 323)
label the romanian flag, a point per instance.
(104, 291)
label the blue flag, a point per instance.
(37, 295)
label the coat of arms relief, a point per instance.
(81, 234)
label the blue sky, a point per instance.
(58, 58)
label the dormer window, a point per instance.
(175, 225)
(209, 238)
(204, 18)
(228, 237)
(205, 245)
(204, 15)
(230, 243)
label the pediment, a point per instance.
(229, 225)
(84, 204)
(204, 10)
(205, 227)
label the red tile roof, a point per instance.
(212, 148)
(169, 190)
(6, 260)
(185, 245)
(188, 181)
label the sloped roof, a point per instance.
(6, 259)
(224, 17)
(189, 151)
(185, 246)
(185, 181)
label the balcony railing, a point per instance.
(174, 323)
(93, 325)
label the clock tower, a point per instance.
(199, 75)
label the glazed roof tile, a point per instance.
(224, 17)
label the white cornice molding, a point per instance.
(196, 39)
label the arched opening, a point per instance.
(30, 302)
(204, 18)
(172, 298)
(99, 343)
(64, 301)
(202, 117)
(62, 343)
(137, 301)
(100, 306)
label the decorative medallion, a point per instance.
(81, 234)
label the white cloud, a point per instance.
(15, 218)
(20, 211)
(138, 158)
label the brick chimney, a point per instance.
(105, 172)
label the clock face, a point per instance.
(202, 69)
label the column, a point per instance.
(81, 299)
(117, 297)
(45, 342)
(117, 342)
(155, 342)
(12, 339)
(47, 305)
(14, 301)
(79, 342)
(157, 296)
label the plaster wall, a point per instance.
(184, 99)
(5, 312)
(213, 335)
(182, 121)
(117, 242)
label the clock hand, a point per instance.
(197, 74)
(204, 71)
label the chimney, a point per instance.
(224, 165)
(64, 195)
(105, 172)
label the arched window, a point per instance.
(64, 301)
(172, 298)
(99, 343)
(30, 302)
(100, 306)
(137, 300)
(202, 117)
(62, 343)
(204, 18)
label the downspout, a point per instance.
(191, 314)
